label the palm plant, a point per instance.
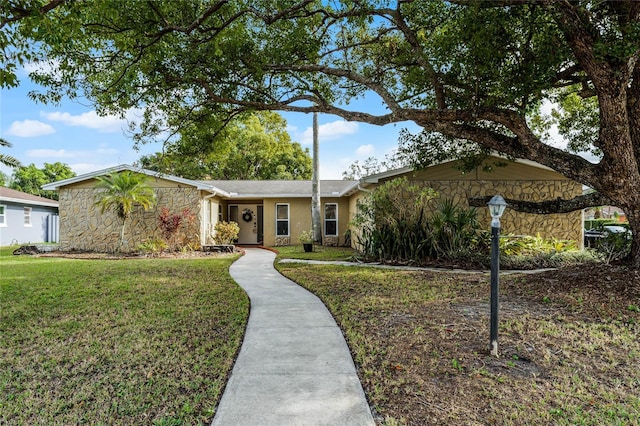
(5, 159)
(122, 192)
(455, 228)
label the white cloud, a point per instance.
(51, 153)
(65, 153)
(334, 169)
(82, 168)
(30, 129)
(365, 150)
(90, 119)
(330, 131)
(42, 67)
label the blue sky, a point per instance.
(74, 134)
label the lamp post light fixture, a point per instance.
(497, 205)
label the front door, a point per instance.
(249, 219)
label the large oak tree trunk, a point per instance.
(633, 215)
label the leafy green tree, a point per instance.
(472, 74)
(252, 146)
(372, 166)
(5, 159)
(3, 179)
(30, 179)
(124, 191)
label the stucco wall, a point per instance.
(84, 227)
(300, 220)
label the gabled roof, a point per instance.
(246, 189)
(198, 184)
(375, 178)
(13, 196)
(236, 189)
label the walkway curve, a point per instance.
(294, 367)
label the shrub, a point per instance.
(226, 232)
(392, 222)
(455, 229)
(613, 246)
(177, 228)
(306, 237)
(548, 259)
(513, 245)
(153, 246)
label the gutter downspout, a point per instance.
(205, 221)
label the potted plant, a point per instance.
(306, 239)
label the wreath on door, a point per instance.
(247, 215)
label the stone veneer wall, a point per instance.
(283, 241)
(331, 241)
(560, 226)
(83, 227)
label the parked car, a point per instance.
(591, 236)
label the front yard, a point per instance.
(134, 341)
(151, 341)
(569, 343)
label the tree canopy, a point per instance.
(463, 70)
(372, 165)
(30, 179)
(252, 146)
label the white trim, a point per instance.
(31, 202)
(281, 220)
(331, 220)
(375, 178)
(3, 216)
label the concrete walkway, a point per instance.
(294, 367)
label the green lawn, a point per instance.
(134, 341)
(318, 253)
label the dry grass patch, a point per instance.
(570, 352)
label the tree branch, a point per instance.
(22, 13)
(572, 24)
(419, 55)
(523, 145)
(386, 96)
(558, 205)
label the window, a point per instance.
(27, 216)
(331, 219)
(282, 220)
(3, 215)
(233, 214)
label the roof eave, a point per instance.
(31, 202)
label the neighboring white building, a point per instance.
(26, 218)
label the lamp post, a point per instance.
(497, 205)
